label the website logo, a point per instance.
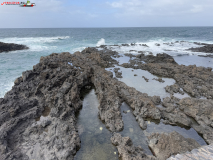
(21, 4)
(28, 4)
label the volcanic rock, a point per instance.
(126, 149)
(164, 145)
(6, 47)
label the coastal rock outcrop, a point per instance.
(207, 48)
(6, 47)
(38, 116)
(126, 149)
(164, 145)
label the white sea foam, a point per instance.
(35, 43)
(5, 86)
(100, 42)
(169, 47)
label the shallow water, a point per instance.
(152, 87)
(122, 59)
(194, 60)
(132, 129)
(138, 136)
(95, 138)
(43, 42)
(153, 127)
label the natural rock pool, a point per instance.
(95, 138)
(139, 136)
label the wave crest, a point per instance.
(100, 42)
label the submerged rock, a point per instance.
(117, 74)
(159, 80)
(146, 79)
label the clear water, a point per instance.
(133, 130)
(152, 127)
(152, 87)
(95, 138)
(194, 60)
(138, 136)
(43, 42)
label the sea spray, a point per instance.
(100, 42)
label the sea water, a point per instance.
(95, 138)
(43, 42)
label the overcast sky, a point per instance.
(107, 13)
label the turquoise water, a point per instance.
(43, 42)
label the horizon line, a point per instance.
(102, 27)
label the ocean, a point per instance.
(43, 42)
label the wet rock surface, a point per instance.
(196, 81)
(174, 89)
(211, 56)
(190, 112)
(117, 73)
(164, 145)
(207, 48)
(6, 47)
(159, 58)
(146, 79)
(56, 81)
(126, 149)
(159, 80)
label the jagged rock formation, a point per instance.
(164, 145)
(204, 152)
(6, 47)
(54, 84)
(191, 112)
(207, 48)
(127, 151)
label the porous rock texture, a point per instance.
(126, 149)
(164, 145)
(55, 84)
(197, 82)
(190, 112)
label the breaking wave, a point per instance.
(100, 42)
(171, 47)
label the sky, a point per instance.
(107, 13)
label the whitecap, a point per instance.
(100, 42)
(161, 45)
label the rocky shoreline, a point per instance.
(207, 48)
(7, 47)
(55, 83)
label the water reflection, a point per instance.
(139, 83)
(138, 136)
(153, 127)
(193, 59)
(132, 129)
(95, 138)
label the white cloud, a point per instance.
(160, 7)
(197, 8)
(116, 4)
